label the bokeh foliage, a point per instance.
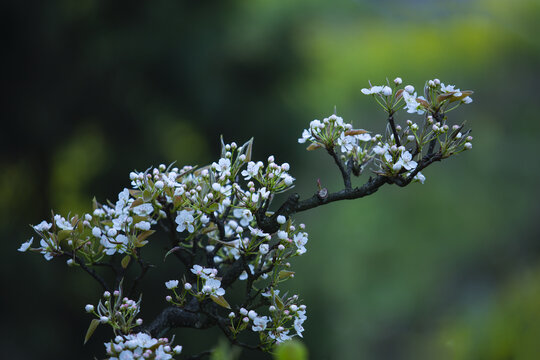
(445, 270)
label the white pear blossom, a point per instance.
(143, 209)
(26, 245)
(143, 225)
(252, 170)
(62, 223)
(185, 221)
(171, 284)
(300, 241)
(222, 166)
(212, 286)
(42, 226)
(413, 106)
(259, 323)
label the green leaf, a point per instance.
(283, 274)
(125, 261)
(291, 350)
(220, 300)
(147, 195)
(63, 235)
(278, 302)
(135, 193)
(93, 325)
(174, 249)
(137, 202)
(144, 235)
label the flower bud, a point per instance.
(409, 89)
(281, 219)
(168, 298)
(231, 315)
(178, 348)
(139, 322)
(188, 286)
(467, 145)
(159, 184)
(107, 294)
(89, 308)
(243, 311)
(398, 81)
(96, 232)
(387, 91)
(104, 319)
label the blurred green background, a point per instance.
(445, 270)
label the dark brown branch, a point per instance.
(394, 130)
(90, 271)
(345, 172)
(175, 317)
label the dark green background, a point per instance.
(445, 270)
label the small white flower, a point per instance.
(252, 170)
(171, 284)
(26, 245)
(42, 226)
(222, 166)
(62, 223)
(257, 232)
(413, 106)
(143, 225)
(409, 89)
(300, 241)
(467, 100)
(185, 221)
(420, 177)
(264, 248)
(159, 184)
(259, 323)
(143, 209)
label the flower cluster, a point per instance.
(140, 346)
(221, 226)
(117, 311)
(283, 316)
(398, 153)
